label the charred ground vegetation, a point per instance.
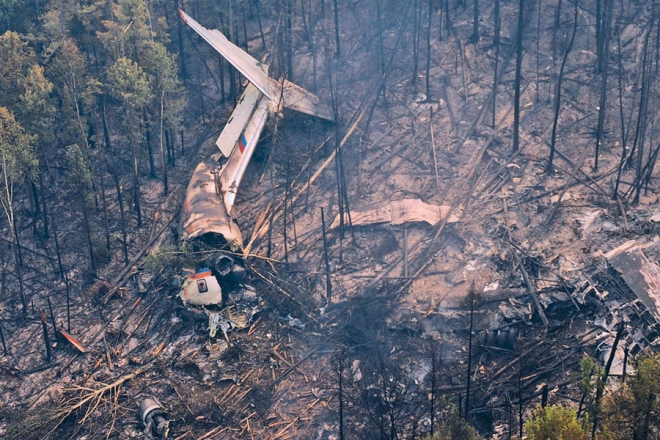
(531, 122)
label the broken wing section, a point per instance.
(253, 70)
(299, 99)
(398, 212)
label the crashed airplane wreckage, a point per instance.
(212, 190)
(211, 193)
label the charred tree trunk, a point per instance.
(336, 10)
(475, 23)
(261, 29)
(497, 60)
(182, 54)
(147, 141)
(469, 363)
(622, 162)
(553, 138)
(555, 28)
(36, 207)
(416, 32)
(122, 217)
(538, 47)
(640, 131)
(57, 246)
(428, 54)
(136, 185)
(340, 379)
(105, 212)
(602, 381)
(44, 210)
(519, 55)
(87, 231)
(288, 18)
(603, 68)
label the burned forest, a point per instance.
(315, 219)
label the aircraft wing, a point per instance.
(253, 70)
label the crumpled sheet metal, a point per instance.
(201, 289)
(640, 274)
(399, 212)
(203, 209)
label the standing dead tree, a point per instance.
(470, 303)
(518, 80)
(560, 78)
(603, 45)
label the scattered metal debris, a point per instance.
(201, 289)
(639, 273)
(399, 212)
(154, 418)
(76, 343)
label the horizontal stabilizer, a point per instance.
(299, 99)
(253, 70)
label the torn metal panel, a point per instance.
(399, 212)
(203, 209)
(253, 70)
(640, 274)
(201, 289)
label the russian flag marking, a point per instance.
(242, 143)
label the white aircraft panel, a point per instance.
(232, 172)
(238, 120)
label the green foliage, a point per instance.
(17, 158)
(587, 379)
(633, 410)
(37, 106)
(555, 422)
(17, 161)
(128, 83)
(129, 29)
(79, 177)
(69, 71)
(451, 426)
(16, 57)
(171, 257)
(161, 67)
